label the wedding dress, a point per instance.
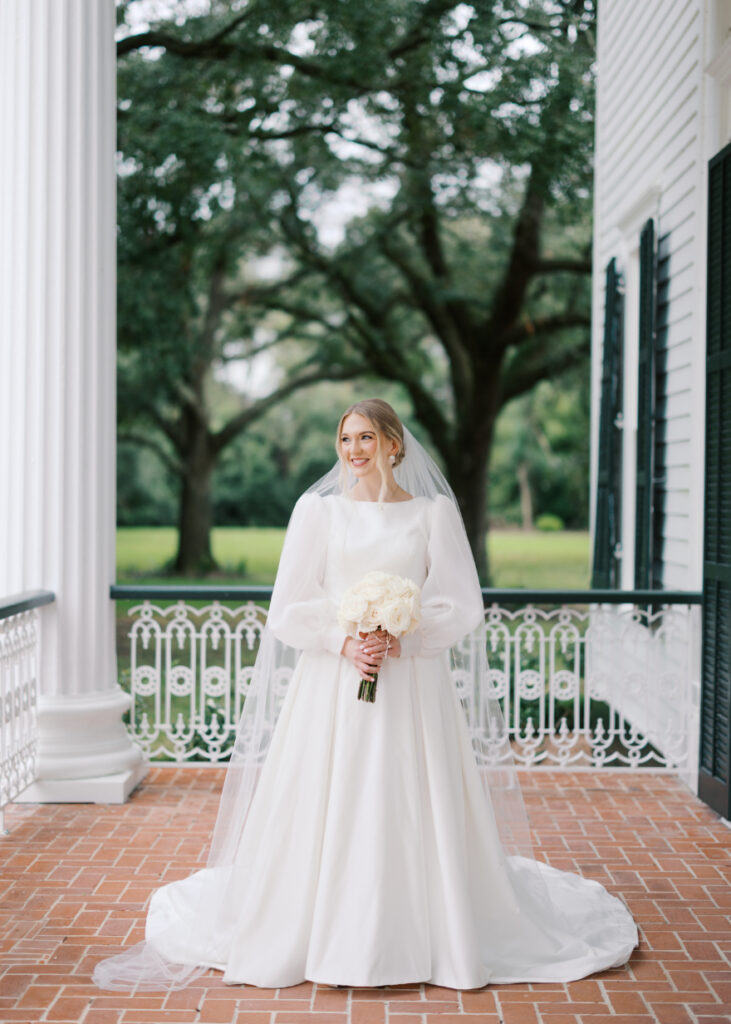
(370, 853)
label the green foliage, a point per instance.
(146, 496)
(448, 146)
(547, 432)
(549, 523)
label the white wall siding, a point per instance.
(650, 162)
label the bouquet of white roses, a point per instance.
(380, 601)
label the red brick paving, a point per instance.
(75, 880)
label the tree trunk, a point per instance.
(526, 496)
(471, 493)
(195, 517)
(469, 480)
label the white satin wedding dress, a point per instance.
(370, 854)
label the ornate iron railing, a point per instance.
(586, 679)
(19, 658)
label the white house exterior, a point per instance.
(663, 112)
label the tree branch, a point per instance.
(170, 430)
(423, 293)
(552, 266)
(533, 26)
(215, 306)
(511, 293)
(384, 358)
(431, 11)
(213, 46)
(189, 399)
(145, 441)
(541, 325)
(528, 367)
(216, 49)
(230, 123)
(226, 434)
(259, 293)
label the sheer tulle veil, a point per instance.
(140, 967)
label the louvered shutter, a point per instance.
(605, 567)
(660, 419)
(715, 739)
(645, 410)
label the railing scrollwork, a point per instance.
(20, 637)
(588, 679)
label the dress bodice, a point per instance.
(333, 541)
(363, 535)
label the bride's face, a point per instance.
(359, 444)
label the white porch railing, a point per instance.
(583, 685)
(20, 632)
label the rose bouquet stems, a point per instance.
(367, 688)
(380, 601)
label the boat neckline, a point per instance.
(369, 501)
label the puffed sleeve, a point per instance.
(300, 613)
(451, 599)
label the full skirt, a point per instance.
(371, 856)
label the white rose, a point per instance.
(401, 587)
(374, 585)
(396, 617)
(413, 604)
(410, 591)
(347, 626)
(372, 618)
(371, 594)
(353, 606)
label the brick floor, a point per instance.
(75, 879)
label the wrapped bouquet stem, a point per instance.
(367, 688)
(380, 600)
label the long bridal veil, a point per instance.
(141, 967)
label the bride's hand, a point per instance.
(364, 661)
(367, 654)
(382, 644)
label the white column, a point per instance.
(57, 378)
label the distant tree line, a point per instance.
(540, 459)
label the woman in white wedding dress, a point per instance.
(365, 844)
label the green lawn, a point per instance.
(552, 561)
(250, 554)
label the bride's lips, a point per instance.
(358, 462)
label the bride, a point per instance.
(366, 844)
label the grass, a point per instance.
(245, 554)
(250, 554)
(550, 561)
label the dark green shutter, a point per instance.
(715, 739)
(605, 567)
(645, 410)
(660, 419)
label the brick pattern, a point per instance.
(75, 880)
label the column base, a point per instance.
(103, 789)
(83, 740)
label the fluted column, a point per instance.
(57, 377)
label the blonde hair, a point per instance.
(386, 425)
